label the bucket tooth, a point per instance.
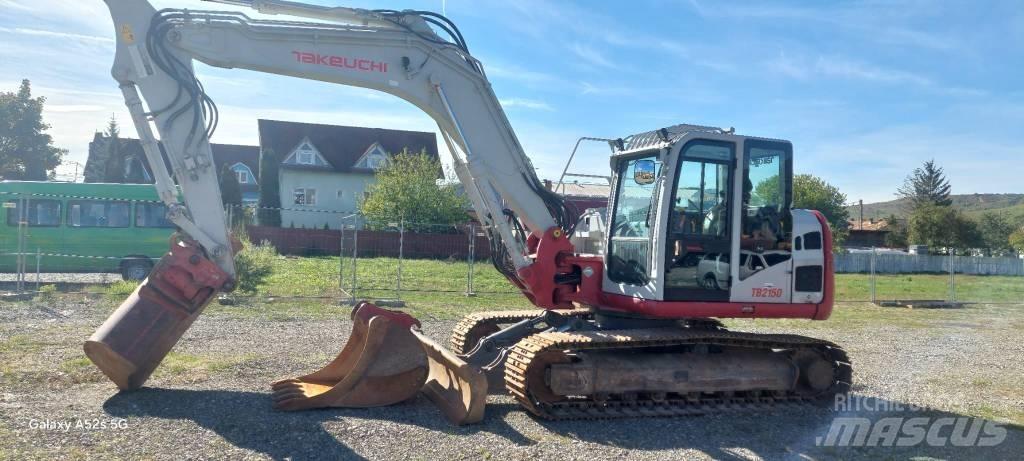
(457, 388)
(381, 364)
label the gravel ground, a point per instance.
(210, 399)
(63, 277)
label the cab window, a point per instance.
(767, 194)
(629, 243)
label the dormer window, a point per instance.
(306, 154)
(374, 158)
(243, 173)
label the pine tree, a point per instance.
(114, 171)
(270, 193)
(925, 186)
(26, 151)
(231, 195)
(230, 190)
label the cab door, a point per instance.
(699, 221)
(808, 258)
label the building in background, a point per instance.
(132, 167)
(870, 233)
(329, 167)
(581, 196)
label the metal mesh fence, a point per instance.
(84, 244)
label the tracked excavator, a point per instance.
(700, 228)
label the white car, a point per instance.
(713, 268)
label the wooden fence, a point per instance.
(910, 264)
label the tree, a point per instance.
(407, 189)
(943, 227)
(230, 190)
(925, 186)
(995, 232)
(114, 168)
(898, 232)
(813, 193)
(26, 151)
(231, 195)
(1017, 240)
(270, 190)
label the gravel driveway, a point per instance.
(210, 398)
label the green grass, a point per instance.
(195, 368)
(445, 281)
(309, 286)
(81, 370)
(976, 288)
(120, 289)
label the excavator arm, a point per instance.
(395, 52)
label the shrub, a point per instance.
(120, 289)
(47, 293)
(253, 264)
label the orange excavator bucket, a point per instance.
(382, 364)
(386, 361)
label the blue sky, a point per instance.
(865, 91)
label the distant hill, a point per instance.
(1012, 205)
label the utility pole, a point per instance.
(861, 214)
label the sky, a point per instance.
(866, 91)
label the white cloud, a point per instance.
(55, 34)
(591, 55)
(74, 108)
(841, 67)
(495, 68)
(844, 68)
(526, 103)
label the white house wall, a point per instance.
(327, 185)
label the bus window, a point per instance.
(151, 215)
(41, 213)
(97, 213)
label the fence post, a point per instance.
(470, 260)
(871, 278)
(39, 256)
(341, 256)
(952, 276)
(401, 245)
(22, 231)
(355, 250)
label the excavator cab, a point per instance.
(700, 214)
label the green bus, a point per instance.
(79, 227)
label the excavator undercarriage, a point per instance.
(566, 366)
